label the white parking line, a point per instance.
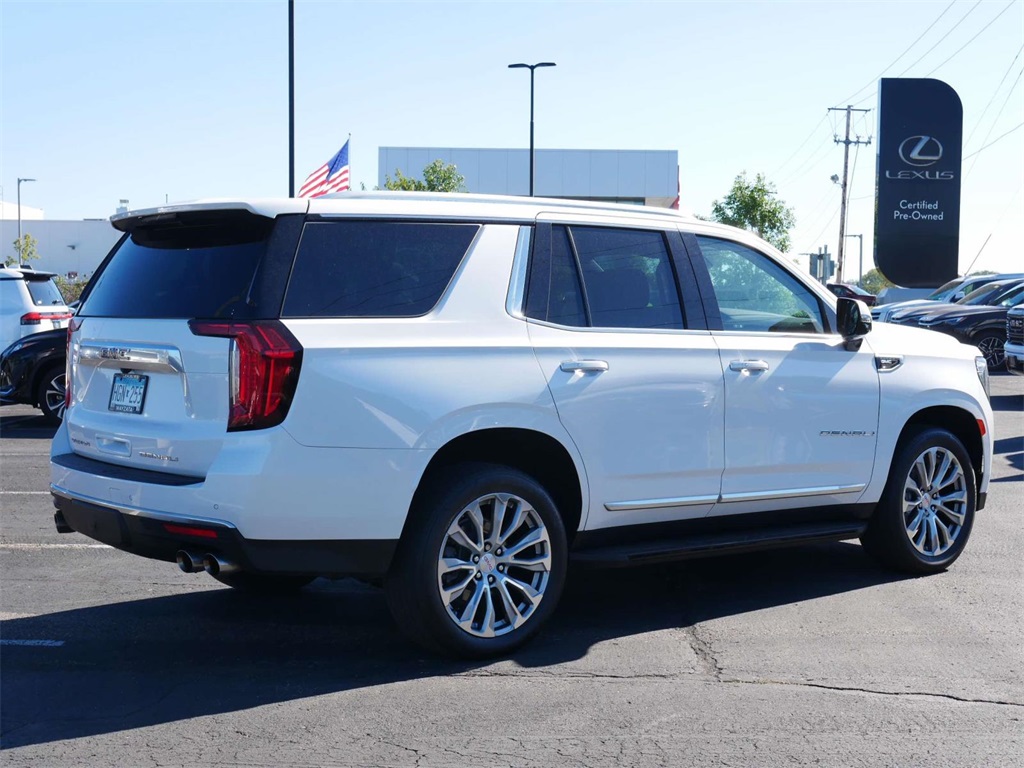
(54, 546)
(34, 643)
(25, 493)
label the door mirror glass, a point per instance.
(853, 318)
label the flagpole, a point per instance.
(291, 98)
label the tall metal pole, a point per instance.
(531, 67)
(291, 98)
(846, 167)
(860, 266)
(19, 214)
(533, 157)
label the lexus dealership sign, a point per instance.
(917, 212)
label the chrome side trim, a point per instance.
(682, 501)
(690, 501)
(149, 358)
(170, 517)
(792, 493)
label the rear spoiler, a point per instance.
(270, 208)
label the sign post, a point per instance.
(917, 211)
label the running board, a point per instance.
(721, 543)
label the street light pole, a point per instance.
(531, 67)
(19, 215)
(860, 268)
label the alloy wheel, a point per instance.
(494, 565)
(934, 501)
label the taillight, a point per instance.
(263, 369)
(69, 362)
(35, 318)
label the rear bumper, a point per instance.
(159, 537)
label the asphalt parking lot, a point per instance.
(795, 657)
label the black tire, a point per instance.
(51, 383)
(265, 583)
(413, 585)
(888, 537)
(991, 346)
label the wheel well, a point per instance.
(43, 372)
(958, 421)
(538, 455)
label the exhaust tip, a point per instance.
(215, 566)
(188, 562)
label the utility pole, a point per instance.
(846, 166)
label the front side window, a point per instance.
(756, 294)
(374, 268)
(607, 278)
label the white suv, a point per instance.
(30, 302)
(458, 395)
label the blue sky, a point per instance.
(149, 99)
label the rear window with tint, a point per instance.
(200, 266)
(374, 268)
(44, 293)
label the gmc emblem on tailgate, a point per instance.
(115, 353)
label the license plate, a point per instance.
(128, 394)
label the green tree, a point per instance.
(874, 281)
(437, 177)
(754, 205)
(71, 288)
(25, 249)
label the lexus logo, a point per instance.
(920, 151)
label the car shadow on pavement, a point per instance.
(146, 662)
(25, 424)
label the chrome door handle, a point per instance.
(584, 366)
(748, 366)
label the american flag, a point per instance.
(332, 176)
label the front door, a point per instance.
(801, 409)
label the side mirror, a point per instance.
(853, 318)
(956, 297)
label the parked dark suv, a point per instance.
(32, 371)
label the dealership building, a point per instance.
(632, 176)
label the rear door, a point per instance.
(634, 374)
(145, 390)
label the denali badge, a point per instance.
(845, 433)
(148, 455)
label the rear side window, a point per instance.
(374, 268)
(202, 265)
(604, 277)
(44, 293)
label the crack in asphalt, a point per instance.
(875, 692)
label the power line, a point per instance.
(994, 94)
(827, 225)
(962, 19)
(936, 45)
(994, 141)
(813, 160)
(802, 144)
(875, 78)
(998, 115)
(1005, 9)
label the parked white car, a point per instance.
(29, 302)
(461, 394)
